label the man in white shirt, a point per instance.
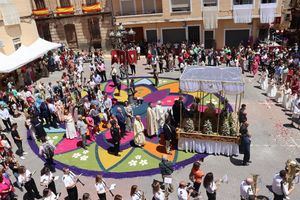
(246, 191)
(280, 186)
(182, 192)
(5, 116)
(69, 181)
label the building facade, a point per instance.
(214, 23)
(16, 25)
(81, 24)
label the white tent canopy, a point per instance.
(26, 54)
(212, 80)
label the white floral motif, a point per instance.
(84, 158)
(48, 138)
(50, 141)
(138, 157)
(132, 163)
(76, 155)
(54, 137)
(85, 152)
(143, 162)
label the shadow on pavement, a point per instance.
(236, 162)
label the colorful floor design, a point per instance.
(133, 162)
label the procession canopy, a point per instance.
(212, 80)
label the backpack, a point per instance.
(48, 150)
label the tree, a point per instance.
(207, 127)
(225, 129)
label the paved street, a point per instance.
(273, 142)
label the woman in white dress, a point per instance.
(279, 94)
(136, 194)
(70, 125)
(158, 194)
(272, 88)
(287, 97)
(296, 111)
(264, 80)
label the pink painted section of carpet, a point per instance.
(129, 136)
(110, 88)
(68, 145)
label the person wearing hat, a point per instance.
(82, 129)
(116, 137)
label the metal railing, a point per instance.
(139, 12)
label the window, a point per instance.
(180, 5)
(17, 43)
(235, 37)
(268, 1)
(127, 7)
(194, 34)
(44, 31)
(208, 3)
(40, 4)
(94, 28)
(242, 2)
(91, 2)
(175, 35)
(149, 6)
(209, 39)
(151, 36)
(65, 3)
(71, 36)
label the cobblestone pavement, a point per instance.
(274, 141)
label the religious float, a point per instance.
(211, 127)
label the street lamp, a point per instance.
(118, 36)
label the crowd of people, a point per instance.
(62, 103)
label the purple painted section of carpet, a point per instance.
(156, 96)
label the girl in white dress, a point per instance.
(287, 97)
(279, 94)
(136, 194)
(70, 125)
(272, 88)
(158, 194)
(264, 80)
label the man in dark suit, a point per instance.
(169, 133)
(121, 120)
(116, 137)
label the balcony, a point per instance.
(140, 12)
(43, 12)
(65, 10)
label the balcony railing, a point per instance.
(140, 12)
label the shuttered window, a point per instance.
(181, 5)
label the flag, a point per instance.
(132, 56)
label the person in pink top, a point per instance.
(6, 188)
(254, 68)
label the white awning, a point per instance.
(267, 12)
(242, 13)
(210, 17)
(26, 54)
(212, 80)
(9, 13)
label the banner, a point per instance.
(114, 57)
(65, 10)
(132, 57)
(122, 56)
(41, 12)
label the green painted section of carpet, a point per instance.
(85, 159)
(138, 160)
(181, 156)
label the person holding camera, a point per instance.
(183, 192)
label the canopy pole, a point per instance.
(235, 105)
(180, 115)
(218, 124)
(199, 110)
(210, 97)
